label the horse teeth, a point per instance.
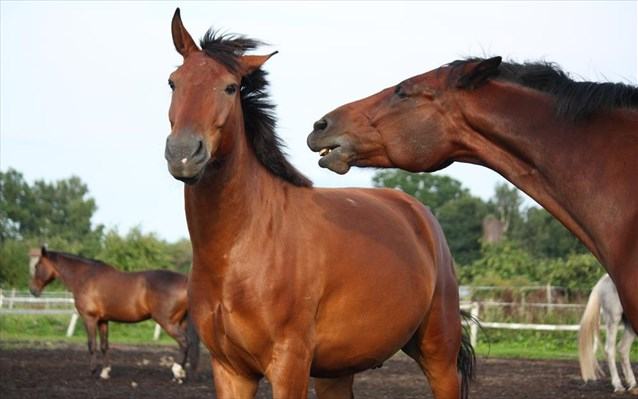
(324, 151)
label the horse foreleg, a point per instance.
(610, 351)
(231, 385)
(334, 388)
(103, 327)
(178, 333)
(91, 328)
(624, 348)
(289, 370)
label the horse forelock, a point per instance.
(575, 100)
(259, 117)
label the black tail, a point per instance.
(192, 342)
(466, 361)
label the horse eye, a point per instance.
(398, 90)
(231, 89)
(171, 84)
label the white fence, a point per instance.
(22, 303)
(14, 302)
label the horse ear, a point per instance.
(250, 63)
(184, 43)
(43, 250)
(479, 73)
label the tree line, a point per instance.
(59, 215)
(531, 247)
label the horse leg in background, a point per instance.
(178, 332)
(90, 324)
(610, 351)
(625, 348)
(103, 327)
(334, 388)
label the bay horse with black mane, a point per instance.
(103, 293)
(572, 146)
(289, 281)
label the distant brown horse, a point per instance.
(288, 281)
(572, 146)
(103, 293)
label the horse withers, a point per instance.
(604, 299)
(102, 294)
(289, 281)
(572, 146)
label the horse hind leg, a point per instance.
(610, 351)
(334, 388)
(625, 348)
(178, 333)
(435, 347)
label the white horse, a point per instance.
(605, 297)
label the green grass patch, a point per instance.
(53, 328)
(533, 344)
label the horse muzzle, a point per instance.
(186, 156)
(334, 150)
(34, 291)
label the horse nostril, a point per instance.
(199, 149)
(321, 124)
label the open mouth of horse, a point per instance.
(327, 150)
(335, 158)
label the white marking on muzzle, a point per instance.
(184, 160)
(33, 260)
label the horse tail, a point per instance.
(466, 360)
(192, 339)
(588, 337)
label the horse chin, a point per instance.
(35, 292)
(187, 176)
(336, 160)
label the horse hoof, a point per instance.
(105, 374)
(633, 391)
(178, 372)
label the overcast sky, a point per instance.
(83, 84)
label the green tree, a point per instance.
(44, 211)
(136, 251)
(431, 190)
(544, 236)
(461, 220)
(506, 205)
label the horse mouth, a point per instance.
(335, 158)
(327, 150)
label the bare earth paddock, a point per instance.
(62, 372)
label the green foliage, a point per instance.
(135, 251)
(431, 190)
(506, 204)
(543, 235)
(461, 220)
(577, 272)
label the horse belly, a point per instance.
(361, 330)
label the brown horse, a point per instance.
(572, 146)
(103, 293)
(288, 281)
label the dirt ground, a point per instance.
(142, 372)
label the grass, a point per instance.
(53, 328)
(16, 330)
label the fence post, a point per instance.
(13, 294)
(474, 311)
(156, 333)
(1, 297)
(71, 328)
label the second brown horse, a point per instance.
(290, 281)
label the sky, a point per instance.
(83, 85)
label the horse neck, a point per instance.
(69, 271)
(515, 131)
(232, 197)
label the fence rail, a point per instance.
(13, 302)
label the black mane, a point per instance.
(54, 255)
(259, 117)
(575, 100)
